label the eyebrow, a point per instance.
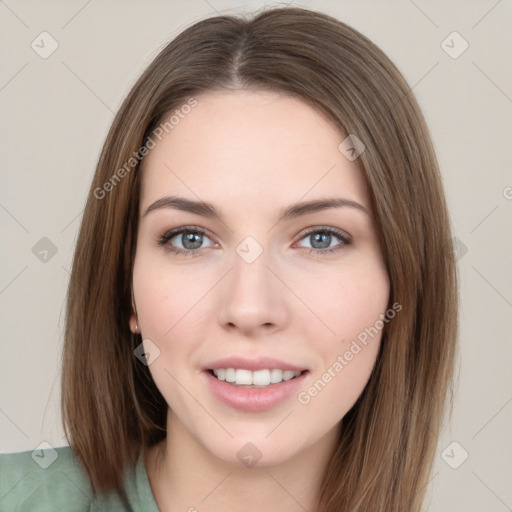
(208, 210)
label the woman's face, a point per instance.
(254, 285)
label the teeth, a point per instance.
(276, 376)
(288, 374)
(261, 378)
(241, 377)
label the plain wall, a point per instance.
(55, 116)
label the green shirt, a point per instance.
(54, 479)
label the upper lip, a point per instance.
(259, 363)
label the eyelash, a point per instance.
(166, 237)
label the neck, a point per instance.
(185, 476)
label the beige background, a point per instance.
(55, 115)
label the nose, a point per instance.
(253, 298)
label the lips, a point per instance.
(254, 399)
(255, 364)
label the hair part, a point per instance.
(111, 407)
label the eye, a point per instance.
(321, 238)
(190, 243)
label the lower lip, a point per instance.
(254, 399)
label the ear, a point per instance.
(133, 323)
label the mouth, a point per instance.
(242, 378)
(254, 391)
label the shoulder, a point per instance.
(44, 479)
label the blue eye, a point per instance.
(191, 244)
(323, 236)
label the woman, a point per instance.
(263, 295)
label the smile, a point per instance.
(254, 379)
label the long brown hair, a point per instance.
(110, 404)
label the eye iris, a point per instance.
(195, 238)
(323, 237)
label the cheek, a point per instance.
(168, 299)
(169, 315)
(351, 307)
(348, 302)
(169, 302)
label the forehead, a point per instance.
(242, 145)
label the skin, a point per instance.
(251, 153)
